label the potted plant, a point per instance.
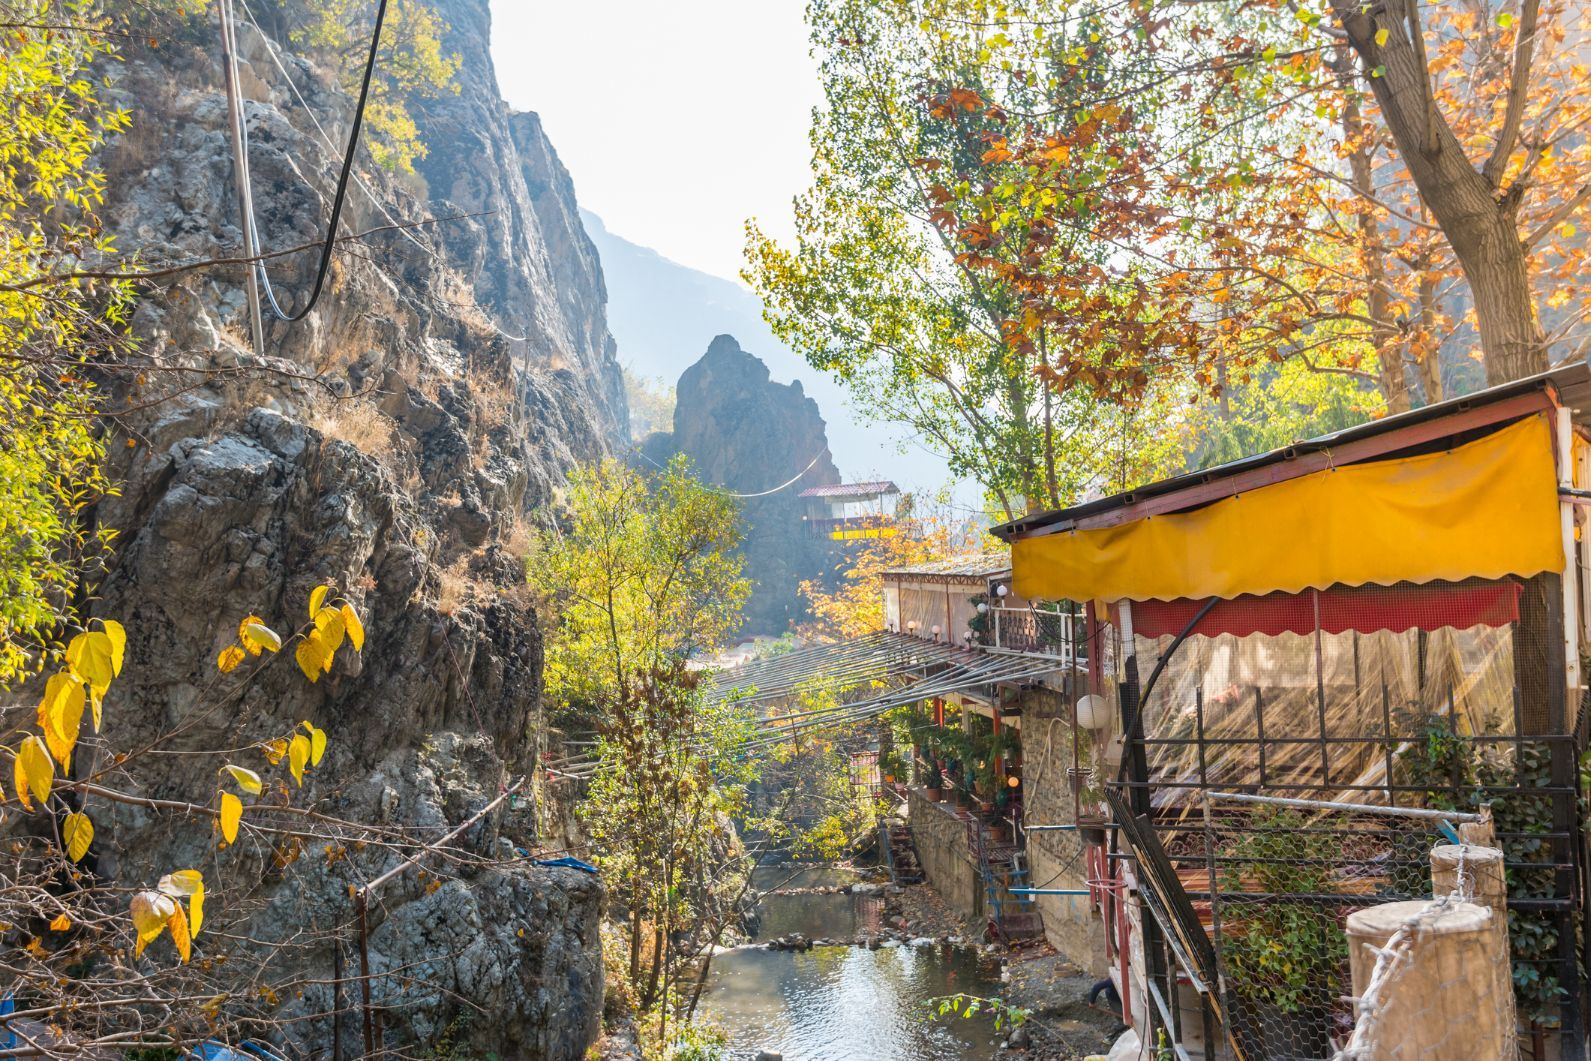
(1093, 819)
(1285, 958)
(999, 828)
(934, 782)
(984, 785)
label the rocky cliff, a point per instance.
(396, 444)
(748, 434)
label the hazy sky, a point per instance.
(677, 120)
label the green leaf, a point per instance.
(1380, 71)
(1504, 19)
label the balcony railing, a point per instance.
(1036, 630)
(847, 529)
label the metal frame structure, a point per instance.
(1152, 830)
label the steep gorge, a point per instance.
(396, 444)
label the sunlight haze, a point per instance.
(677, 121)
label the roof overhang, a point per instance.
(1430, 428)
(1464, 489)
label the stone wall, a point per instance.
(948, 863)
(1056, 858)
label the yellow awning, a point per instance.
(1485, 509)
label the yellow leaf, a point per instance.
(61, 923)
(150, 911)
(317, 742)
(196, 909)
(36, 948)
(247, 780)
(98, 705)
(182, 882)
(274, 750)
(356, 629)
(118, 643)
(1381, 37)
(329, 621)
(231, 814)
(178, 922)
(34, 771)
(256, 635)
(317, 598)
(229, 659)
(77, 831)
(61, 715)
(297, 756)
(89, 655)
(311, 656)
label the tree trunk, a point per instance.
(1356, 132)
(1479, 224)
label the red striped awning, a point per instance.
(1367, 609)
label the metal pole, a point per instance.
(1359, 808)
(361, 907)
(240, 173)
(337, 997)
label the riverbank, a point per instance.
(1062, 1025)
(838, 944)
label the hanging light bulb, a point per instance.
(983, 608)
(1003, 590)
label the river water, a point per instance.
(844, 1003)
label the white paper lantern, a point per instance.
(1092, 712)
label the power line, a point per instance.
(275, 55)
(342, 180)
(762, 493)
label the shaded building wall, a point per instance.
(946, 856)
(1056, 858)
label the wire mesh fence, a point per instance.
(1428, 700)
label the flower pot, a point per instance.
(999, 832)
(934, 794)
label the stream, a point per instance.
(843, 1003)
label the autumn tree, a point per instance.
(52, 123)
(877, 293)
(851, 603)
(1257, 187)
(643, 571)
(411, 64)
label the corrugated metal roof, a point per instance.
(973, 565)
(1571, 382)
(882, 486)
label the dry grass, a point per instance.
(518, 537)
(458, 586)
(358, 422)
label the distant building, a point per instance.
(851, 511)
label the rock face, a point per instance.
(396, 444)
(749, 435)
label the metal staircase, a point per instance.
(1003, 866)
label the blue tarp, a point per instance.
(566, 862)
(210, 1050)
